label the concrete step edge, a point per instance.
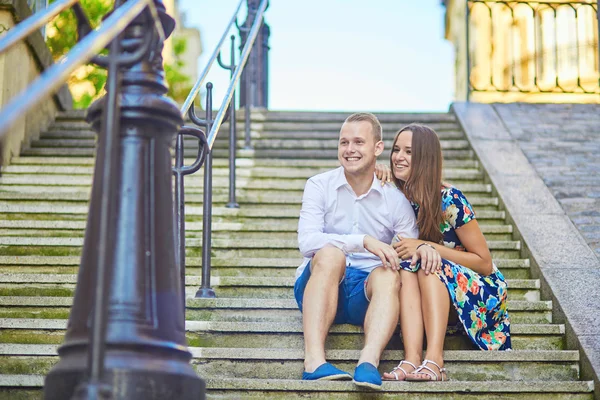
(483, 387)
(60, 261)
(216, 281)
(216, 353)
(260, 327)
(231, 303)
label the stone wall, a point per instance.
(19, 66)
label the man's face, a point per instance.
(357, 149)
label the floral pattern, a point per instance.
(480, 301)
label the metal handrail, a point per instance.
(57, 74)
(33, 23)
(194, 92)
(212, 135)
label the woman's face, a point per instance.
(401, 155)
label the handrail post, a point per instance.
(129, 239)
(232, 130)
(247, 138)
(179, 214)
(467, 52)
(205, 291)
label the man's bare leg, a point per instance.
(320, 303)
(383, 289)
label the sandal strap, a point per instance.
(424, 366)
(399, 367)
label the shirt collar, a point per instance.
(341, 180)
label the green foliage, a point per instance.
(88, 82)
(179, 83)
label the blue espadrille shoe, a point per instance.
(326, 372)
(366, 375)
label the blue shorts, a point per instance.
(352, 298)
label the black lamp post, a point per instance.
(142, 351)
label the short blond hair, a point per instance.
(372, 119)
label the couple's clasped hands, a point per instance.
(405, 248)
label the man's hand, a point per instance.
(384, 251)
(429, 256)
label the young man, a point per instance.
(350, 271)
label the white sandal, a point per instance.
(399, 367)
(424, 369)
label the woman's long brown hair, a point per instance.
(423, 185)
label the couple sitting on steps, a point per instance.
(376, 252)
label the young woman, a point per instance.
(465, 277)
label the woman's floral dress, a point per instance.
(479, 300)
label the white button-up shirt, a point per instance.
(333, 214)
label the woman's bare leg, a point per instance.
(435, 303)
(411, 322)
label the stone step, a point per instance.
(17, 387)
(57, 132)
(52, 284)
(310, 116)
(384, 117)
(462, 365)
(221, 266)
(196, 181)
(235, 309)
(242, 267)
(223, 153)
(218, 242)
(259, 144)
(191, 227)
(192, 252)
(266, 213)
(244, 197)
(389, 128)
(280, 335)
(274, 173)
(241, 233)
(240, 162)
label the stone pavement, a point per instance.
(562, 142)
(541, 160)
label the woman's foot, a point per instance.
(400, 372)
(428, 371)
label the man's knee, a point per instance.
(384, 279)
(329, 260)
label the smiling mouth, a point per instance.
(352, 158)
(400, 166)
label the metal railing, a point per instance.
(212, 126)
(532, 46)
(126, 271)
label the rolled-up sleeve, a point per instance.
(405, 223)
(311, 235)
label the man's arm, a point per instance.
(405, 223)
(311, 235)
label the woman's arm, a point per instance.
(477, 257)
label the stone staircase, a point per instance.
(247, 343)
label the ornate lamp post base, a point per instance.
(143, 348)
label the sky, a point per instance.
(342, 55)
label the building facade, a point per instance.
(542, 51)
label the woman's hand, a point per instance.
(383, 173)
(430, 258)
